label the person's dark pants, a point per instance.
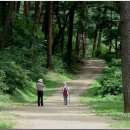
(40, 98)
(65, 99)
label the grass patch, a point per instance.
(6, 119)
(5, 124)
(121, 124)
(109, 105)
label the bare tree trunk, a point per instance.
(26, 8)
(38, 6)
(125, 54)
(4, 10)
(99, 39)
(49, 37)
(45, 21)
(116, 48)
(110, 43)
(77, 45)
(59, 36)
(36, 21)
(17, 6)
(96, 36)
(84, 44)
(6, 25)
(70, 34)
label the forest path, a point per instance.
(56, 115)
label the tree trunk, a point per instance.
(17, 6)
(95, 41)
(125, 54)
(26, 8)
(4, 10)
(49, 36)
(84, 45)
(45, 21)
(110, 43)
(36, 21)
(99, 39)
(59, 36)
(116, 48)
(77, 45)
(6, 25)
(38, 6)
(70, 34)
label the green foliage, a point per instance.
(25, 32)
(89, 50)
(58, 64)
(15, 77)
(109, 56)
(110, 81)
(102, 51)
(3, 85)
(115, 62)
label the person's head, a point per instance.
(40, 80)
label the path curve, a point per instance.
(55, 115)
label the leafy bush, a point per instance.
(102, 51)
(109, 56)
(58, 64)
(14, 77)
(3, 85)
(115, 62)
(110, 81)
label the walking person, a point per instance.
(40, 87)
(65, 91)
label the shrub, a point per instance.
(110, 81)
(58, 64)
(115, 62)
(14, 77)
(102, 51)
(3, 85)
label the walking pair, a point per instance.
(40, 85)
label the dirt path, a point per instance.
(55, 115)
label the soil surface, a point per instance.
(56, 115)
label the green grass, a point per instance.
(121, 124)
(108, 105)
(6, 119)
(5, 124)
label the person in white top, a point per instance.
(65, 91)
(40, 86)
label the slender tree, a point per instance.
(77, 45)
(96, 36)
(45, 20)
(6, 24)
(60, 35)
(38, 6)
(70, 33)
(49, 36)
(26, 7)
(125, 52)
(17, 6)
